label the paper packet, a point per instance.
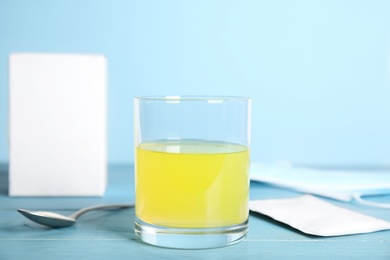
(315, 216)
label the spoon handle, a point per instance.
(100, 207)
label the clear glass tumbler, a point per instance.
(191, 170)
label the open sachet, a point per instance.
(343, 185)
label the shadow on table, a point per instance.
(4, 179)
(118, 224)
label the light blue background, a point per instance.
(318, 71)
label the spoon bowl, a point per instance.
(55, 220)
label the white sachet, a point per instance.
(317, 217)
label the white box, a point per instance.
(57, 125)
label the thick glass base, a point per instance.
(190, 238)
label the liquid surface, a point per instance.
(192, 183)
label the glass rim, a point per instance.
(192, 98)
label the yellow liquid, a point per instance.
(192, 184)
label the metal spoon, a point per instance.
(56, 220)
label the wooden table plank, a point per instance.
(110, 235)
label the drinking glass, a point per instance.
(191, 170)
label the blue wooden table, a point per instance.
(110, 235)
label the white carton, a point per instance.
(57, 125)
